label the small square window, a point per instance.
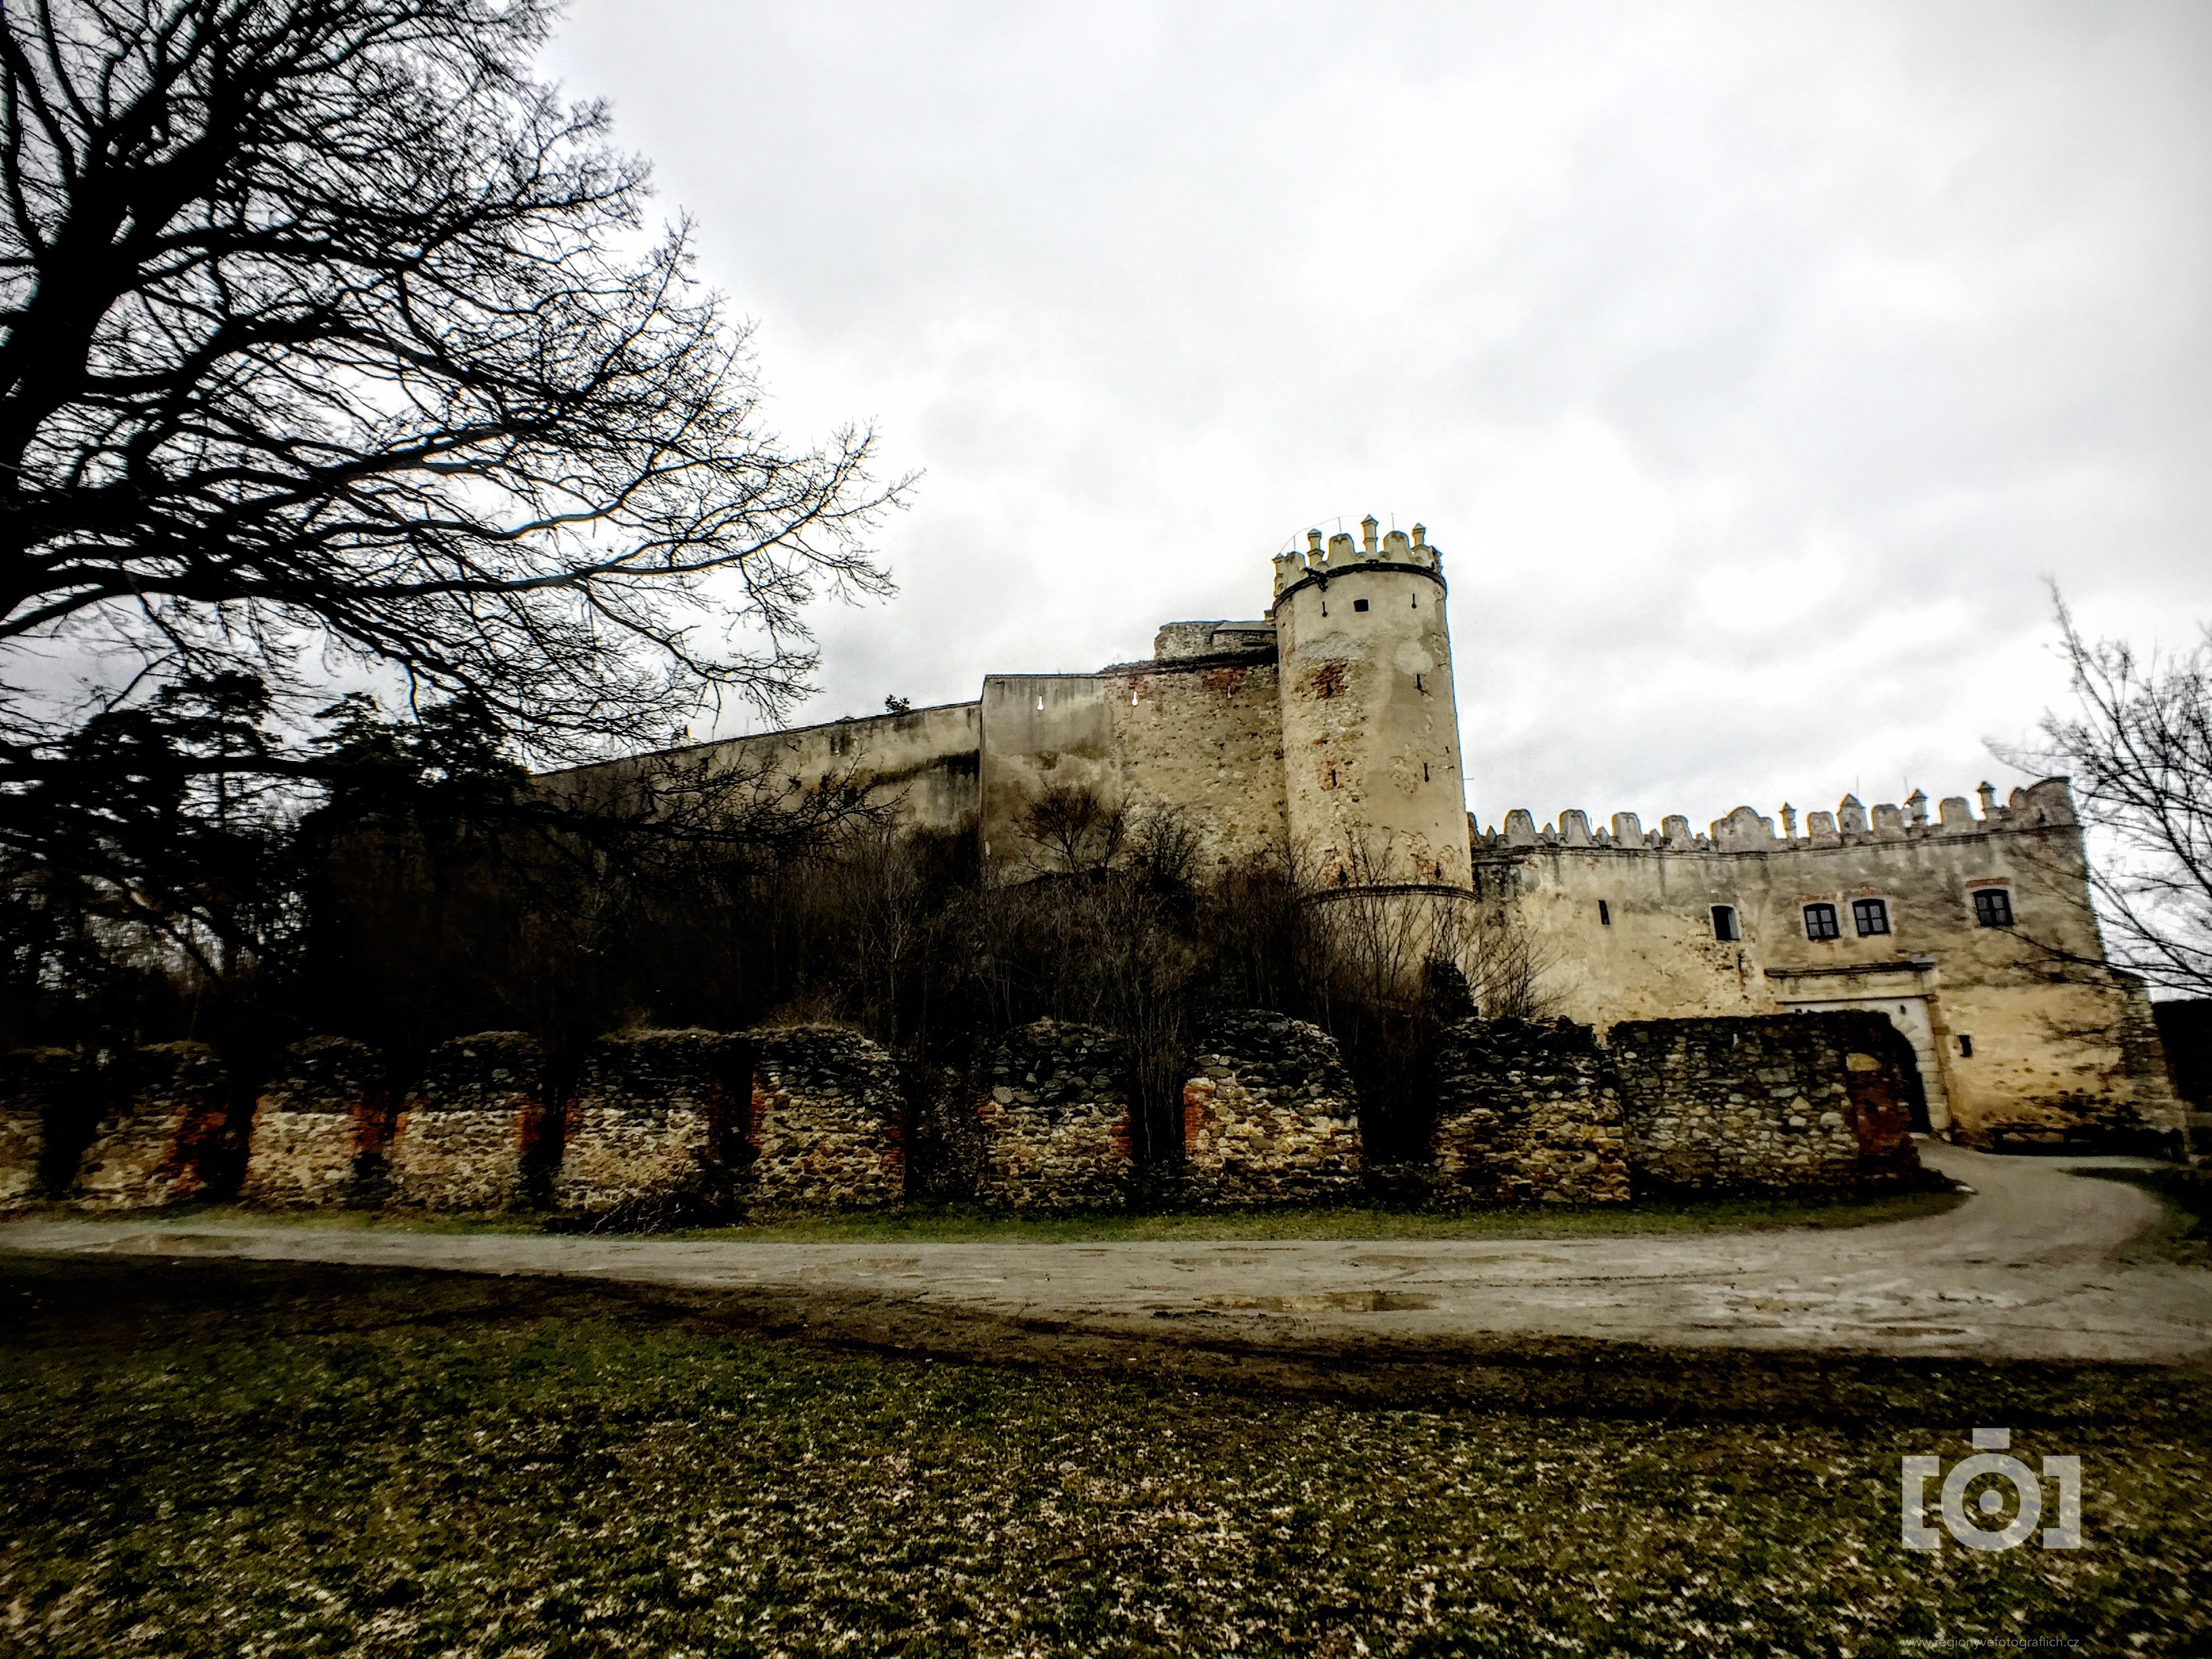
(1993, 907)
(1871, 916)
(1966, 1047)
(1820, 921)
(1724, 922)
(1359, 604)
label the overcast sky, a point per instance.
(1752, 366)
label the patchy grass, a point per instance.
(918, 1223)
(333, 1217)
(224, 1458)
(955, 1223)
(2185, 1234)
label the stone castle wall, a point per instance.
(650, 1120)
(923, 763)
(2004, 1047)
(317, 1125)
(1055, 1116)
(827, 1123)
(468, 1128)
(1527, 1113)
(1796, 1102)
(1270, 1116)
(164, 1124)
(1202, 735)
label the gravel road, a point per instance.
(2031, 1267)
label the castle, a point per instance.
(1325, 733)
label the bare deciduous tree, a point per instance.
(327, 333)
(1072, 829)
(2139, 750)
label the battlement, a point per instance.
(1373, 546)
(1745, 830)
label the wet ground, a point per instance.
(2034, 1266)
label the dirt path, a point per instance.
(2028, 1268)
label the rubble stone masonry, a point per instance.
(470, 1125)
(164, 1122)
(1527, 1112)
(1055, 1116)
(647, 1123)
(37, 1086)
(827, 1127)
(1269, 1117)
(314, 1125)
(1792, 1102)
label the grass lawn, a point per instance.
(225, 1458)
(964, 1223)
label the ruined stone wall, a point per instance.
(827, 1125)
(40, 1088)
(1527, 1112)
(2003, 1046)
(469, 1127)
(1269, 1116)
(1056, 1118)
(647, 1124)
(317, 1125)
(164, 1123)
(1796, 1102)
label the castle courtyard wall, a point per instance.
(1527, 1112)
(1791, 1103)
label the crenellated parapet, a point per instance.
(2039, 805)
(1375, 546)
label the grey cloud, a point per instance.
(1752, 365)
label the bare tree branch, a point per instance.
(2139, 749)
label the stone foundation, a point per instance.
(827, 1126)
(164, 1125)
(1784, 1103)
(468, 1129)
(1527, 1113)
(1055, 1117)
(646, 1128)
(39, 1087)
(1269, 1116)
(317, 1125)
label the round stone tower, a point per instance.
(1370, 732)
